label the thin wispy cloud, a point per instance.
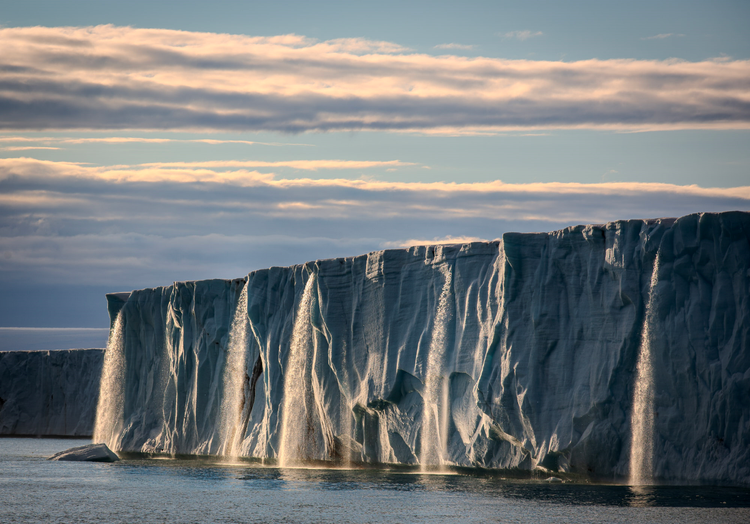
(662, 36)
(131, 140)
(522, 35)
(109, 78)
(307, 165)
(26, 148)
(22, 179)
(462, 47)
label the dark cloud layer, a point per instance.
(119, 78)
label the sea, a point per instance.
(35, 339)
(211, 489)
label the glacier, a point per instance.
(49, 393)
(526, 353)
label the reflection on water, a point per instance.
(209, 489)
(642, 496)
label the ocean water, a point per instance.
(28, 339)
(140, 489)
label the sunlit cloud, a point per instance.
(308, 165)
(118, 78)
(186, 172)
(445, 197)
(522, 35)
(12, 139)
(433, 241)
(26, 148)
(131, 140)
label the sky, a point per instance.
(143, 143)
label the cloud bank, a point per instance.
(65, 222)
(108, 77)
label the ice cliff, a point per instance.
(49, 393)
(517, 353)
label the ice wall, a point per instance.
(49, 393)
(518, 353)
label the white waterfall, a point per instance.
(109, 409)
(436, 403)
(295, 413)
(642, 414)
(235, 376)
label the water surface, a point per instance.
(140, 489)
(34, 339)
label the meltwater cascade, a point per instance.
(303, 429)
(436, 401)
(109, 410)
(642, 414)
(235, 378)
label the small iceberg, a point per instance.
(90, 453)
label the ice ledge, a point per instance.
(90, 453)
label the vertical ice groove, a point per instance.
(295, 412)
(235, 376)
(642, 414)
(435, 408)
(109, 409)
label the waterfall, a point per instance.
(296, 425)
(235, 377)
(109, 408)
(434, 442)
(345, 411)
(642, 414)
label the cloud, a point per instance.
(662, 36)
(433, 241)
(107, 77)
(464, 47)
(15, 170)
(522, 35)
(70, 232)
(43, 197)
(309, 165)
(26, 148)
(129, 140)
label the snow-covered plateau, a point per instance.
(611, 351)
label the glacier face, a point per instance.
(49, 393)
(518, 353)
